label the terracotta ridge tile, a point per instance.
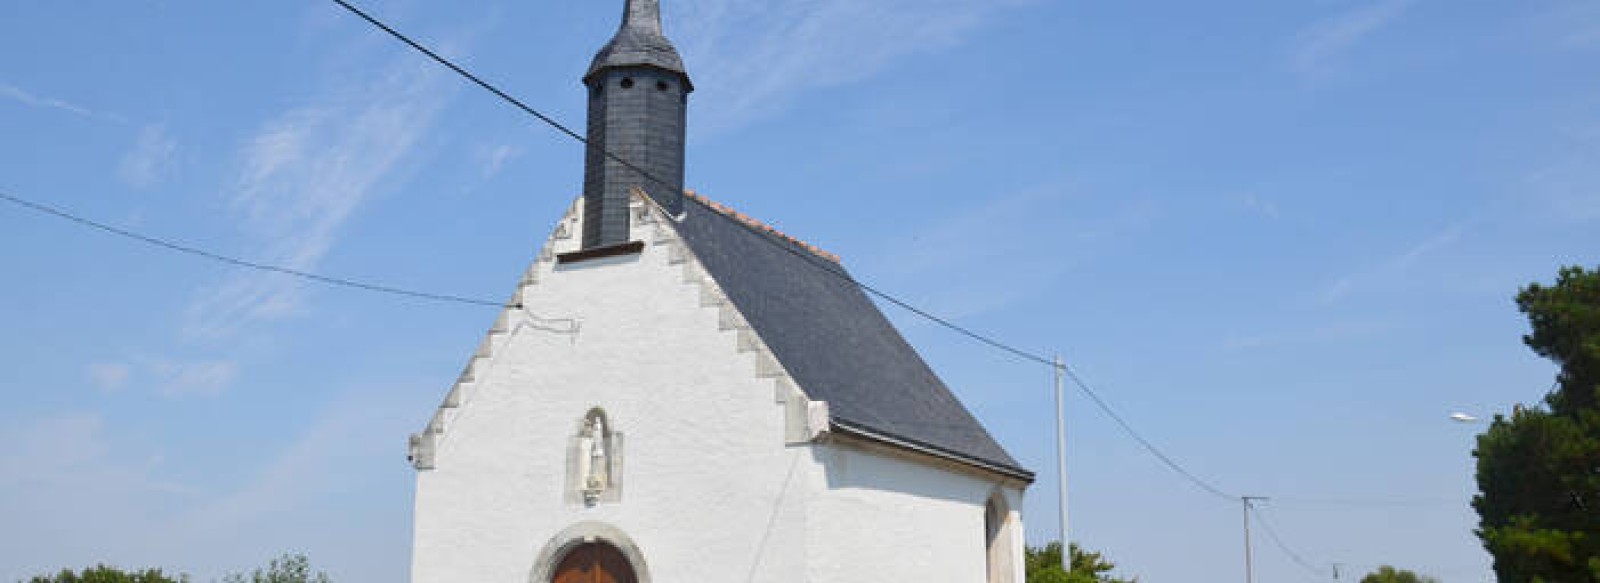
(755, 223)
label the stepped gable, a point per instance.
(833, 340)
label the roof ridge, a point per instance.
(758, 225)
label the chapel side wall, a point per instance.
(1012, 560)
(910, 519)
(710, 492)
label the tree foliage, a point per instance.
(1043, 565)
(105, 574)
(289, 568)
(1539, 471)
(1387, 574)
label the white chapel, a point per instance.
(680, 393)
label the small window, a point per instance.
(661, 86)
(627, 82)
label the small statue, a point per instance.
(593, 465)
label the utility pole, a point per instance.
(1061, 465)
(1249, 570)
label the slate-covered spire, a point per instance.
(643, 15)
(638, 100)
(639, 42)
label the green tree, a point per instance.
(1043, 565)
(1387, 574)
(289, 568)
(104, 574)
(1539, 471)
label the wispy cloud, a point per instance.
(1259, 205)
(1584, 38)
(145, 164)
(753, 58)
(282, 481)
(75, 447)
(19, 95)
(1323, 43)
(170, 378)
(1567, 185)
(203, 378)
(54, 446)
(1342, 330)
(109, 376)
(303, 175)
(1394, 265)
(338, 450)
(493, 159)
(67, 470)
(1569, 25)
(997, 272)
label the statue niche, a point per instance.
(594, 461)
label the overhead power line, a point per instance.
(218, 257)
(569, 132)
(810, 259)
(1277, 541)
(992, 342)
(1155, 451)
(816, 262)
(1372, 502)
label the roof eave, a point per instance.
(857, 430)
(596, 70)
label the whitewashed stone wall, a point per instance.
(902, 515)
(721, 480)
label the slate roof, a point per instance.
(639, 42)
(834, 341)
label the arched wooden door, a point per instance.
(594, 563)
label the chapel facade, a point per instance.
(683, 393)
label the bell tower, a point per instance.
(638, 101)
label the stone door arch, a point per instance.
(580, 551)
(595, 562)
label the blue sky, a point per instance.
(1280, 237)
